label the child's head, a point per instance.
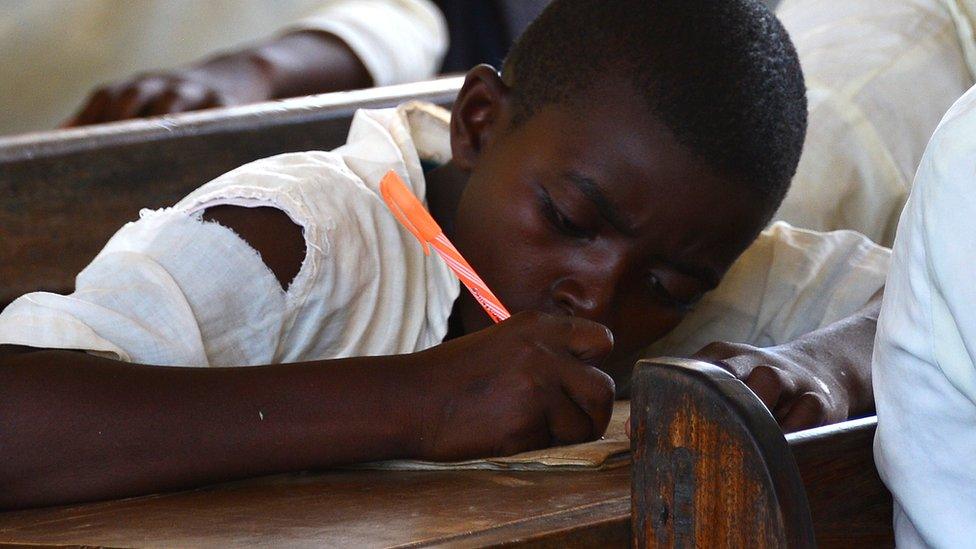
(629, 152)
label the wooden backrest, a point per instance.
(64, 193)
(713, 469)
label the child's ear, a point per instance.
(480, 112)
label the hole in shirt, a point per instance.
(278, 240)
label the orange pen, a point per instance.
(412, 215)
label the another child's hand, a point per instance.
(527, 383)
(230, 80)
(800, 391)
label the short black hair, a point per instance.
(722, 75)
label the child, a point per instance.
(924, 362)
(628, 155)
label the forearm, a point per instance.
(845, 347)
(298, 63)
(291, 65)
(310, 62)
(79, 427)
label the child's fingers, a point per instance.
(568, 423)
(92, 111)
(589, 341)
(130, 101)
(769, 385)
(169, 102)
(592, 391)
(718, 352)
(583, 339)
(180, 98)
(809, 410)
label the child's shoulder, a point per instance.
(273, 179)
(314, 189)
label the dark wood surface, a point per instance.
(64, 193)
(353, 509)
(706, 474)
(849, 503)
(712, 469)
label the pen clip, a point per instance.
(408, 210)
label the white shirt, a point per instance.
(880, 74)
(924, 364)
(53, 53)
(168, 289)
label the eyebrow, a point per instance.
(591, 190)
(607, 210)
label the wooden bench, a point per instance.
(64, 193)
(711, 468)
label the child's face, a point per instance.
(599, 213)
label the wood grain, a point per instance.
(701, 478)
(353, 509)
(712, 469)
(850, 505)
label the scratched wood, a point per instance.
(712, 469)
(64, 193)
(353, 509)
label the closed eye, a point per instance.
(559, 220)
(660, 291)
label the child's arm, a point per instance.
(822, 377)
(79, 427)
(346, 44)
(299, 63)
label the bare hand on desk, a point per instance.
(527, 383)
(297, 63)
(819, 378)
(227, 82)
(800, 393)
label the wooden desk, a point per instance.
(352, 509)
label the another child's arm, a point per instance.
(80, 427)
(295, 64)
(346, 44)
(822, 377)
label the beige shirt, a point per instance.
(53, 53)
(168, 289)
(880, 74)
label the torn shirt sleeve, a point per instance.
(167, 289)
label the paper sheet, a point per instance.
(612, 450)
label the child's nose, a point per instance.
(583, 298)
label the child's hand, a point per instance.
(296, 63)
(800, 391)
(225, 81)
(527, 383)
